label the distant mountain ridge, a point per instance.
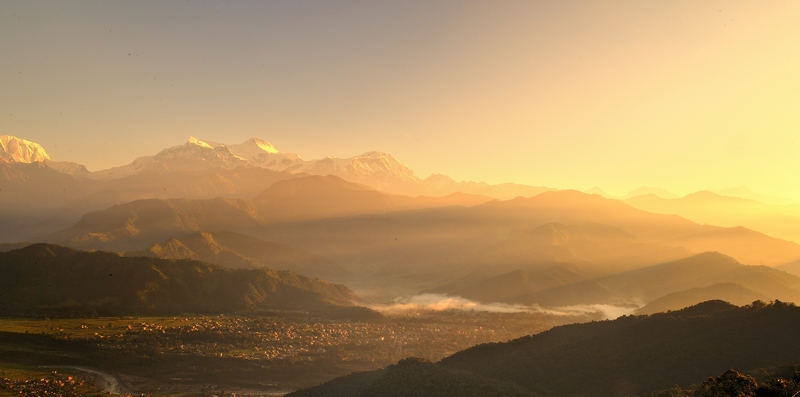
(136, 225)
(714, 208)
(377, 169)
(661, 287)
(16, 150)
(53, 280)
(239, 251)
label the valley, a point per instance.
(200, 271)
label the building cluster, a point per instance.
(294, 339)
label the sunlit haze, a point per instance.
(680, 95)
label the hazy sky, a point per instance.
(684, 95)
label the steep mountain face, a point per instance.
(13, 149)
(16, 150)
(262, 154)
(239, 251)
(375, 169)
(48, 279)
(194, 155)
(632, 355)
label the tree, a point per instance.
(729, 384)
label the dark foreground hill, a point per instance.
(415, 377)
(628, 356)
(44, 279)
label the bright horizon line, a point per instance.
(613, 194)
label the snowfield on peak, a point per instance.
(376, 169)
(13, 149)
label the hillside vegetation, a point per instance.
(628, 356)
(44, 279)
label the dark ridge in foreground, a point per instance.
(45, 279)
(624, 357)
(415, 377)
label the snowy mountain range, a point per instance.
(376, 169)
(16, 150)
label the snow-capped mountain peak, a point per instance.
(195, 141)
(261, 144)
(13, 149)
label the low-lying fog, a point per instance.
(440, 302)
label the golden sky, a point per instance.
(683, 95)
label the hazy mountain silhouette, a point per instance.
(712, 208)
(628, 356)
(745, 193)
(239, 251)
(138, 224)
(49, 279)
(643, 190)
(667, 286)
(701, 270)
(504, 287)
(37, 199)
(38, 196)
(732, 293)
(384, 237)
(552, 287)
(791, 267)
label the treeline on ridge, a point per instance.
(632, 355)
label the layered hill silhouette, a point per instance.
(136, 225)
(38, 195)
(44, 279)
(552, 287)
(38, 200)
(732, 293)
(429, 241)
(628, 356)
(601, 236)
(667, 286)
(701, 271)
(239, 251)
(716, 209)
(791, 267)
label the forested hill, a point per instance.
(627, 356)
(44, 279)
